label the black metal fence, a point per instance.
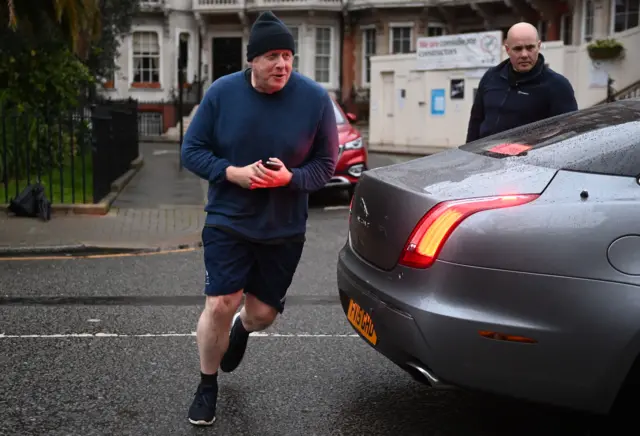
(75, 155)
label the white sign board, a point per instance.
(467, 50)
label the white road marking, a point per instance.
(167, 335)
(335, 208)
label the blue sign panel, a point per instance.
(437, 101)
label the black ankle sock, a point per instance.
(209, 379)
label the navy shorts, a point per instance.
(263, 270)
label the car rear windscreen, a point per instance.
(604, 139)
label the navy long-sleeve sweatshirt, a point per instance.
(237, 125)
(507, 99)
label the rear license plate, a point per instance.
(362, 322)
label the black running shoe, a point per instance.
(238, 338)
(203, 408)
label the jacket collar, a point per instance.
(538, 69)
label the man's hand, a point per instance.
(242, 175)
(267, 178)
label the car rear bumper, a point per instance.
(419, 323)
(391, 324)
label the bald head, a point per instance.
(522, 30)
(523, 46)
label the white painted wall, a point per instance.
(181, 19)
(407, 125)
(124, 76)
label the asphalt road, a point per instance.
(106, 347)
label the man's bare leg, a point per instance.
(254, 316)
(213, 339)
(213, 329)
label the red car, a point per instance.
(352, 157)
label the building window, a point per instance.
(110, 79)
(543, 27)
(183, 55)
(322, 71)
(626, 14)
(296, 57)
(368, 50)
(566, 29)
(401, 39)
(436, 30)
(587, 23)
(146, 58)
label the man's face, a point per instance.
(523, 52)
(272, 70)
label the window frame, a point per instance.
(329, 56)
(435, 25)
(585, 36)
(412, 42)
(566, 19)
(627, 15)
(296, 37)
(363, 53)
(132, 57)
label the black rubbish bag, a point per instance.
(32, 202)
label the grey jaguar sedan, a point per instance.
(509, 265)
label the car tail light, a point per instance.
(436, 226)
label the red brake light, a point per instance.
(436, 226)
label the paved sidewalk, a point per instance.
(161, 207)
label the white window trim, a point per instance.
(115, 78)
(332, 54)
(436, 24)
(583, 26)
(563, 27)
(363, 68)
(301, 29)
(191, 52)
(612, 23)
(158, 31)
(541, 23)
(410, 24)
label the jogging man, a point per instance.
(264, 138)
(520, 90)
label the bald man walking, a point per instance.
(519, 90)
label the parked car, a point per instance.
(352, 156)
(509, 265)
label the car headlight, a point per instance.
(356, 170)
(353, 145)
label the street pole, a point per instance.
(182, 61)
(180, 117)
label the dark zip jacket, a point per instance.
(506, 99)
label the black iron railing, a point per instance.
(75, 155)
